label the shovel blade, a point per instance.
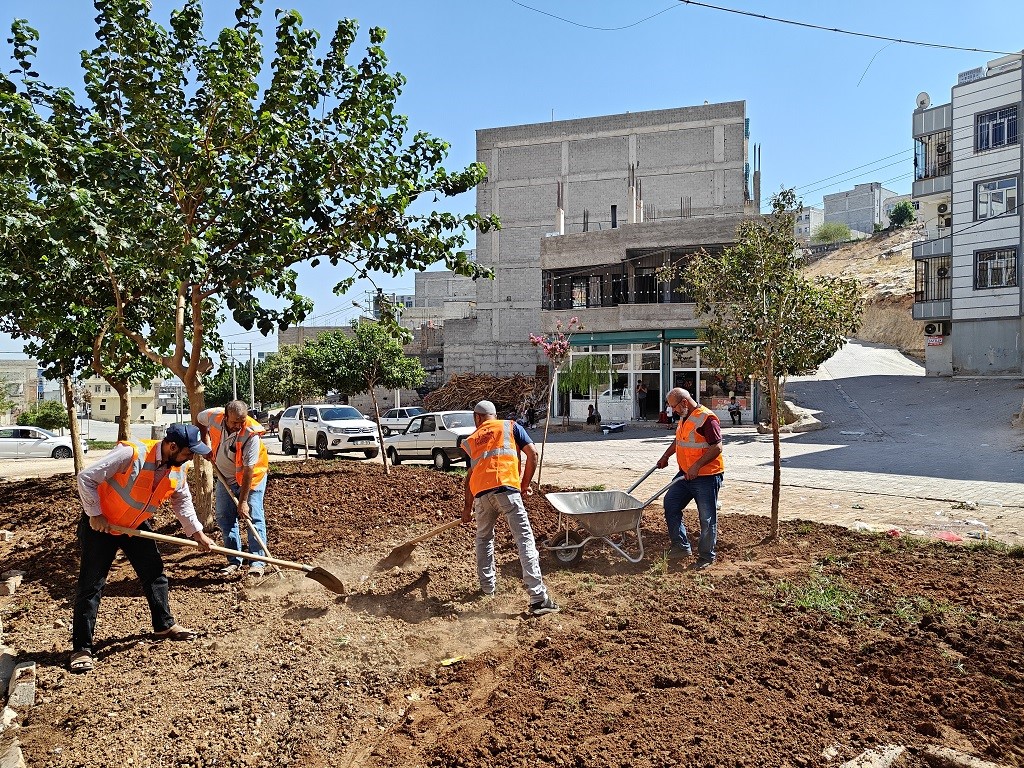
(399, 556)
(327, 579)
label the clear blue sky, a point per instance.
(474, 64)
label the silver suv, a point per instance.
(328, 428)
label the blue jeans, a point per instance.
(487, 509)
(227, 520)
(704, 490)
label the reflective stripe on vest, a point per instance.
(130, 497)
(250, 429)
(493, 457)
(690, 444)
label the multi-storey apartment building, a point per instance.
(806, 222)
(592, 211)
(860, 208)
(968, 167)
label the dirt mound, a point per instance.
(824, 641)
(884, 266)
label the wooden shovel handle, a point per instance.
(219, 550)
(434, 531)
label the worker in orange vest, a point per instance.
(698, 451)
(241, 459)
(126, 487)
(493, 488)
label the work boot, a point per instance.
(676, 552)
(545, 606)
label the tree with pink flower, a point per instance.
(555, 347)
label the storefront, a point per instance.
(644, 366)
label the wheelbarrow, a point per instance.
(614, 517)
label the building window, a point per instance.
(996, 129)
(933, 280)
(103, 406)
(995, 268)
(996, 197)
(106, 388)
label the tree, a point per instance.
(831, 232)
(902, 213)
(556, 347)
(280, 379)
(763, 318)
(202, 190)
(46, 414)
(370, 357)
(589, 373)
(7, 402)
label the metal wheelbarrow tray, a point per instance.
(611, 516)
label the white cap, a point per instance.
(485, 408)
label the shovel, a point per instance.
(248, 522)
(316, 573)
(401, 554)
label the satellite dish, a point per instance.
(923, 100)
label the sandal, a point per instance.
(81, 661)
(176, 632)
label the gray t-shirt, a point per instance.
(225, 458)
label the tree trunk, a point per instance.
(302, 418)
(124, 398)
(201, 476)
(380, 431)
(773, 404)
(76, 442)
(547, 421)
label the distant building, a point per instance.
(860, 208)
(21, 379)
(806, 222)
(105, 405)
(892, 202)
(967, 176)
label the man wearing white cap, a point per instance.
(494, 487)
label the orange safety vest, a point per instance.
(690, 444)
(250, 429)
(130, 497)
(494, 457)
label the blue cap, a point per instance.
(187, 436)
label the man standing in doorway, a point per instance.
(698, 450)
(641, 400)
(493, 488)
(241, 460)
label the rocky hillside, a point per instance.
(884, 266)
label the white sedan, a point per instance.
(435, 437)
(35, 442)
(397, 419)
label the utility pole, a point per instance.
(234, 377)
(252, 380)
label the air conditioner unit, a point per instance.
(941, 147)
(936, 329)
(943, 207)
(942, 272)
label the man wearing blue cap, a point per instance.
(125, 488)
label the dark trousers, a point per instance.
(98, 552)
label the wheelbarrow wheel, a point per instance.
(566, 557)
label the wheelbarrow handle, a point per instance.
(670, 484)
(646, 474)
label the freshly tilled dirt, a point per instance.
(803, 652)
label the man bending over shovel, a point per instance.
(125, 488)
(493, 489)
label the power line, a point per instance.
(808, 25)
(588, 26)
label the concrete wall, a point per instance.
(694, 153)
(22, 378)
(859, 208)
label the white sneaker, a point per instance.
(229, 570)
(257, 571)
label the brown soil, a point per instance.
(908, 643)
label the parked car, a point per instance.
(434, 437)
(35, 442)
(330, 429)
(397, 419)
